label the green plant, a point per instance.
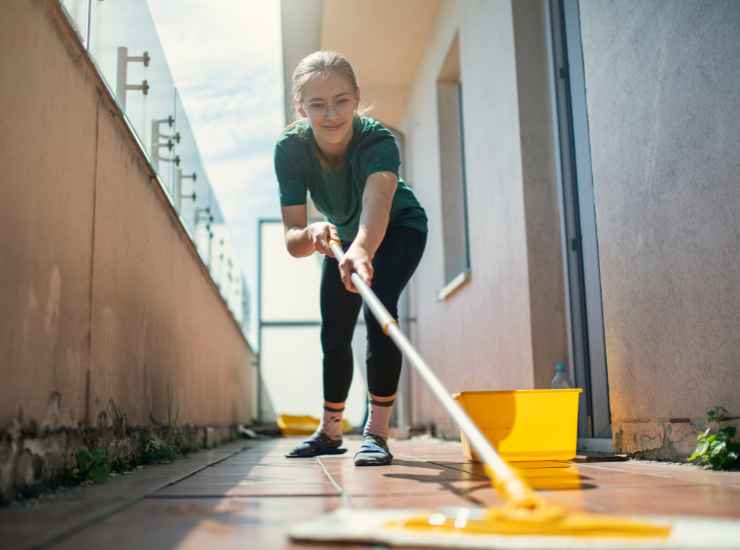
(92, 465)
(182, 444)
(157, 451)
(123, 464)
(717, 451)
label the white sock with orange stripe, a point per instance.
(331, 422)
(379, 419)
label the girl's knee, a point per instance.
(370, 318)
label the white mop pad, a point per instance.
(367, 526)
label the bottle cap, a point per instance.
(560, 367)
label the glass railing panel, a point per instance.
(125, 46)
(78, 11)
(122, 40)
(196, 202)
(225, 270)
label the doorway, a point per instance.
(578, 224)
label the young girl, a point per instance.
(349, 163)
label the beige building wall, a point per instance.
(506, 328)
(662, 85)
(107, 307)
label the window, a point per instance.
(453, 194)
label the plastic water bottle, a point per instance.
(560, 381)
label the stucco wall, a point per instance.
(106, 304)
(506, 327)
(662, 81)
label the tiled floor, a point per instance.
(250, 498)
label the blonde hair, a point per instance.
(319, 64)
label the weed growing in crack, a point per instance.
(717, 450)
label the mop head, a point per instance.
(480, 528)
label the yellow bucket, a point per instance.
(524, 425)
(291, 424)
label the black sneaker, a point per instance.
(318, 444)
(373, 452)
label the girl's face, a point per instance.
(329, 103)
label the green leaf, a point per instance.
(696, 456)
(719, 449)
(100, 472)
(729, 431)
(84, 459)
(717, 414)
(701, 449)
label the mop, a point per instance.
(526, 520)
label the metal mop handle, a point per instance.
(506, 480)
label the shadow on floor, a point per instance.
(543, 476)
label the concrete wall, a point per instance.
(662, 81)
(107, 308)
(506, 327)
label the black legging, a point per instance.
(394, 263)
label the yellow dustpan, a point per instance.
(294, 424)
(524, 512)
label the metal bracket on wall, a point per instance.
(122, 74)
(157, 142)
(177, 191)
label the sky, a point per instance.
(226, 61)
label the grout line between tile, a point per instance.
(199, 470)
(275, 496)
(195, 496)
(346, 500)
(457, 468)
(612, 469)
(63, 534)
(451, 487)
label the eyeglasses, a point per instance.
(316, 109)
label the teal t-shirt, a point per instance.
(337, 193)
